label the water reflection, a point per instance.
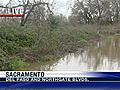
(102, 55)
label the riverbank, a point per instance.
(102, 55)
(23, 45)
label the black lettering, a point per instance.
(7, 74)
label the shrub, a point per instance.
(17, 63)
(4, 63)
(10, 48)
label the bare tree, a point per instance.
(96, 11)
(29, 7)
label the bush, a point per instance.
(17, 63)
(12, 39)
(10, 48)
(24, 40)
(4, 62)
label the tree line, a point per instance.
(95, 11)
(83, 12)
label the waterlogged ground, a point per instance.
(103, 55)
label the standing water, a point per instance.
(103, 55)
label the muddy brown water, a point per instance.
(103, 55)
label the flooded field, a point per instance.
(103, 55)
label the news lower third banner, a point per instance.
(49, 76)
(26, 79)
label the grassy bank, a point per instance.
(22, 45)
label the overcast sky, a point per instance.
(62, 6)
